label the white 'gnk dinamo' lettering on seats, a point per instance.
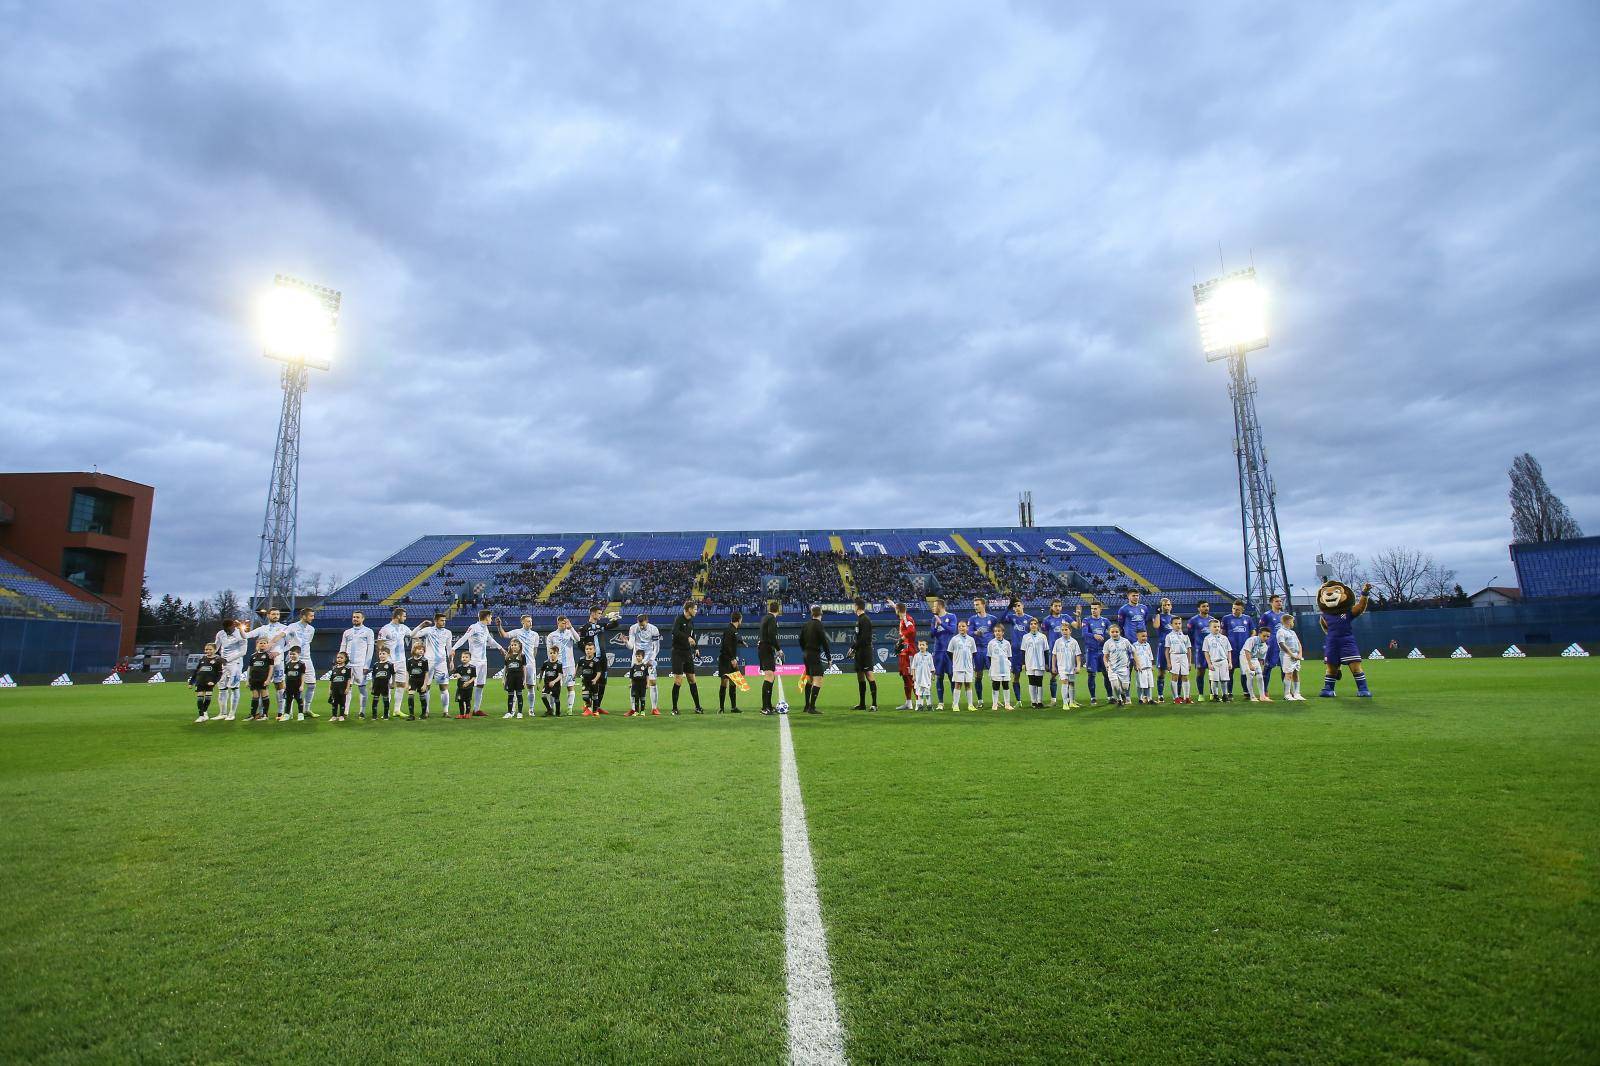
(746, 547)
(1001, 547)
(936, 547)
(556, 552)
(860, 547)
(1056, 544)
(607, 550)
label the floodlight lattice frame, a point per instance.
(275, 561)
(1265, 572)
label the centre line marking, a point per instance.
(815, 1033)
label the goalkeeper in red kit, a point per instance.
(905, 648)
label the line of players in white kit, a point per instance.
(278, 673)
(1129, 666)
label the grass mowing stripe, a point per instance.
(815, 1035)
(1409, 878)
(556, 890)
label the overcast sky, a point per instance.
(765, 265)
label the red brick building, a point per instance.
(86, 534)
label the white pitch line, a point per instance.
(815, 1034)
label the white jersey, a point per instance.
(1117, 653)
(1177, 645)
(298, 635)
(1036, 653)
(1253, 654)
(645, 638)
(963, 654)
(922, 671)
(1068, 656)
(357, 643)
(397, 635)
(529, 638)
(560, 643)
(1000, 659)
(231, 646)
(436, 643)
(1218, 652)
(478, 641)
(1289, 651)
(274, 632)
(1144, 656)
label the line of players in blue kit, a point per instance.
(1133, 652)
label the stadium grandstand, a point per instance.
(562, 573)
(1558, 567)
(45, 629)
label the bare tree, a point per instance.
(225, 604)
(1537, 514)
(1346, 567)
(1399, 574)
(1439, 583)
(310, 583)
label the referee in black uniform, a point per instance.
(767, 653)
(683, 655)
(863, 653)
(728, 664)
(813, 646)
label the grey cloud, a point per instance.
(800, 265)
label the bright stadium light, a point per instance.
(1232, 311)
(298, 322)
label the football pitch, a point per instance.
(1412, 877)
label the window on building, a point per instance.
(91, 512)
(84, 568)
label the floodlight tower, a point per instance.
(1233, 322)
(298, 322)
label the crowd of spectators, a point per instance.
(812, 577)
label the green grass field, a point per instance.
(1410, 878)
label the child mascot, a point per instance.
(1340, 606)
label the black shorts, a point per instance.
(205, 689)
(814, 665)
(258, 680)
(768, 658)
(682, 664)
(863, 660)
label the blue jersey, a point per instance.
(1160, 626)
(1133, 617)
(941, 627)
(1272, 620)
(1053, 625)
(1095, 631)
(1199, 628)
(1238, 629)
(1017, 627)
(1340, 626)
(980, 627)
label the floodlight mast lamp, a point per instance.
(1231, 312)
(298, 323)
